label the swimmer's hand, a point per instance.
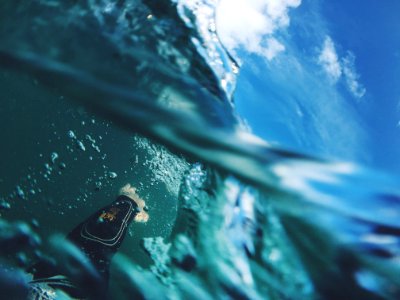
(142, 217)
(130, 191)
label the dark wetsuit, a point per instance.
(99, 237)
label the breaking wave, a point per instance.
(143, 92)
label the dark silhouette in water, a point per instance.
(98, 238)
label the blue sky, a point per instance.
(321, 77)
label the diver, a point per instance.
(98, 237)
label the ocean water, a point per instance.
(97, 94)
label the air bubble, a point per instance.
(20, 192)
(98, 185)
(35, 223)
(81, 145)
(4, 205)
(112, 175)
(54, 156)
(96, 148)
(88, 137)
(71, 134)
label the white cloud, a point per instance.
(250, 24)
(336, 68)
(352, 76)
(326, 126)
(329, 60)
(273, 48)
(317, 117)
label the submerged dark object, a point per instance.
(13, 283)
(16, 237)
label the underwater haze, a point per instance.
(261, 134)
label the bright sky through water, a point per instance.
(320, 77)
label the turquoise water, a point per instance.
(96, 94)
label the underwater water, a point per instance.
(97, 94)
